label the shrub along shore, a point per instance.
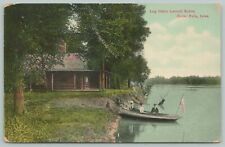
(64, 117)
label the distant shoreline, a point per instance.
(190, 80)
(189, 85)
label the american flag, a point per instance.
(182, 105)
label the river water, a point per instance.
(200, 122)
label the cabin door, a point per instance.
(86, 82)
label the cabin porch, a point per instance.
(76, 80)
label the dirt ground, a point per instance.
(93, 103)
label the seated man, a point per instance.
(155, 109)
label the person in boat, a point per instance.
(155, 109)
(141, 108)
(161, 102)
(131, 105)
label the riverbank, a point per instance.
(65, 116)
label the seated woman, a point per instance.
(141, 108)
(131, 105)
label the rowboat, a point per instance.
(149, 115)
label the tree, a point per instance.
(30, 29)
(36, 65)
(131, 69)
(110, 34)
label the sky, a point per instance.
(184, 39)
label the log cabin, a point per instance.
(74, 75)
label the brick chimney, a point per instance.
(62, 46)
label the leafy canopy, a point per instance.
(32, 29)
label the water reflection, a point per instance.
(129, 128)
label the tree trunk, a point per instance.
(118, 83)
(19, 99)
(128, 83)
(100, 80)
(103, 75)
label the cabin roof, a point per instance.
(71, 62)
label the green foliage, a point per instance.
(191, 80)
(147, 87)
(104, 34)
(36, 65)
(31, 29)
(24, 129)
(112, 36)
(130, 69)
(42, 122)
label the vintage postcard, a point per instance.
(116, 73)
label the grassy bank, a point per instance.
(42, 122)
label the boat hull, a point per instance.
(149, 116)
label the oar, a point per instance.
(163, 97)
